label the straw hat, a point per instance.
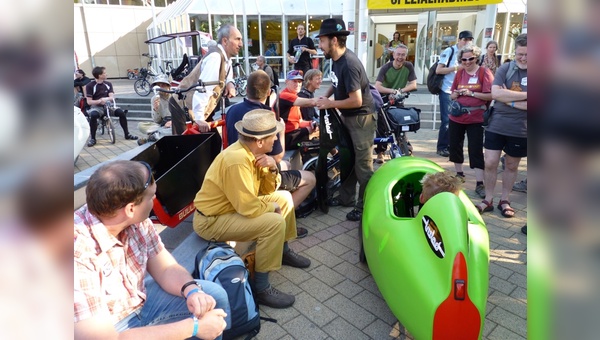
(259, 124)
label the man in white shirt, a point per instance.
(229, 43)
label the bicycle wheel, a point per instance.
(130, 75)
(111, 130)
(242, 87)
(333, 172)
(142, 87)
(403, 144)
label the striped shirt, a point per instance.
(109, 271)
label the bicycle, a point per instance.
(106, 124)
(142, 84)
(241, 81)
(189, 123)
(397, 121)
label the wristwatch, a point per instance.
(472, 94)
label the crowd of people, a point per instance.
(250, 192)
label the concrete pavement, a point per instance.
(337, 298)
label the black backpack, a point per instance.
(434, 80)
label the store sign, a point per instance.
(422, 4)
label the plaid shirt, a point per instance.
(109, 271)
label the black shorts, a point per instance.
(513, 146)
(290, 180)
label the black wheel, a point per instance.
(242, 87)
(111, 131)
(403, 144)
(101, 126)
(142, 87)
(362, 257)
(333, 172)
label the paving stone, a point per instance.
(314, 309)
(352, 257)
(369, 284)
(334, 247)
(317, 289)
(324, 256)
(499, 271)
(303, 328)
(518, 279)
(378, 330)
(511, 264)
(328, 276)
(281, 315)
(520, 293)
(341, 329)
(375, 305)
(324, 235)
(502, 333)
(310, 241)
(509, 321)
(350, 311)
(350, 271)
(348, 288)
(337, 229)
(509, 304)
(502, 285)
(488, 327)
(510, 243)
(269, 330)
(349, 241)
(295, 275)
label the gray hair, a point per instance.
(469, 48)
(260, 57)
(401, 46)
(223, 32)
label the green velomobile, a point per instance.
(432, 269)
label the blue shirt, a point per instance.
(236, 113)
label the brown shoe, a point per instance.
(274, 298)
(292, 259)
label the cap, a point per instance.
(295, 75)
(465, 35)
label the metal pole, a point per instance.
(155, 28)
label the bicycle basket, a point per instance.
(404, 119)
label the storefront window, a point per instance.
(272, 42)
(314, 25)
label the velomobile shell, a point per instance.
(432, 270)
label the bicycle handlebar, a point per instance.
(200, 87)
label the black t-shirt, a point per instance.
(349, 75)
(97, 91)
(304, 60)
(308, 113)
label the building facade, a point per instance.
(268, 25)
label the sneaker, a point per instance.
(335, 202)
(142, 141)
(443, 153)
(461, 178)
(131, 137)
(354, 215)
(521, 186)
(301, 232)
(91, 142)
(293, 259)
(379, 159)
(274, 298)
(524, 229)
(480, 190)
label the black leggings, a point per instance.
(456, 134)
(95, 114)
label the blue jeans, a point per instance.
(443, 141)
(162, 307)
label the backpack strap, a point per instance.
(511, 71)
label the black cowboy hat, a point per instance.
(333, 26)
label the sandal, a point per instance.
(507, 211)
(489, 206)
(131, 137)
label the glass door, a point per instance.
(426, 53)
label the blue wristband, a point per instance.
(195, 290)
(195, 332)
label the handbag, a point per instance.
(487, 114)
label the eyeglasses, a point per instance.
(521, 55)
(468, 59)
(149, 181)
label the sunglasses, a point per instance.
(150, 178)
(297, 73)
(468, 59)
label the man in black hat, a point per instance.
(449, 65)
(352, 96)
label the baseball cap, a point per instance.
(295, 75)
(465, 35)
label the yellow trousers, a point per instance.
(269, 230)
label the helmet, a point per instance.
(161, 78)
